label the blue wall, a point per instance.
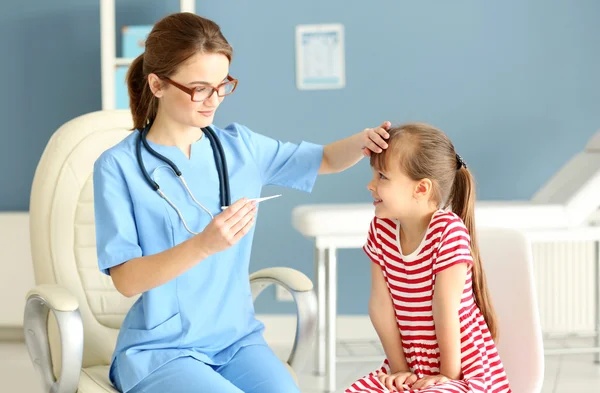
(515, 84)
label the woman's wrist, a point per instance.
(199, 246)
(358, 142)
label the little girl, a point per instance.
(429, 301)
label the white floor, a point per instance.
(564, 374)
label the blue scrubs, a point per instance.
(205, 317)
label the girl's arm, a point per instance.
(383, 317)
(341, 155)
(449, 286)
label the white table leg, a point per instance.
(331, 319)
(321, 281)
(597, 287)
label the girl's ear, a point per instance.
(423, 189)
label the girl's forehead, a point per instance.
(386, 162)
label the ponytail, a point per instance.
(142, 102)
(462, 200)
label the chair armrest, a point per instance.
(301, 289)
(58, 298)
(40, 301)
(290, 279)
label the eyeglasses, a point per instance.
(204, 92)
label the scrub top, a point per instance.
(207, 312)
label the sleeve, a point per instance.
(454, 247)
(283, 163)
(372, 247)
(116, 232)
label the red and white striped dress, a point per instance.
(411, 281)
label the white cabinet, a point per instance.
(108, 49)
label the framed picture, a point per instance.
(320, 57)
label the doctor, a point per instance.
(167, 238)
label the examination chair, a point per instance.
(72, 317)
(569, 199)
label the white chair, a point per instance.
(507, 260)
(73, 315)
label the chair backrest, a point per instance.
(507, 261)
(63, 241)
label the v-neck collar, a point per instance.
(175, 154)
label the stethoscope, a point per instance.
(220, 162)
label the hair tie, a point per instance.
(460, 162)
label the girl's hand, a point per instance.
(429, 381)
(373, 139)
(397, 381)
(227, 228)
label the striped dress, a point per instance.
(411, 281)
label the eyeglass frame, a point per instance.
(192, 90)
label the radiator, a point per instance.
(565, 280)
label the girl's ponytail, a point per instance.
(462, 201)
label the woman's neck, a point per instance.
(170, 133)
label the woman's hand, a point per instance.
(429, 381)
(341, 155)
(373, 139)
(397, 381)
(227, 228)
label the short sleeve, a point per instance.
(283, 163)
(116, 232)
(454, 247)
(371, 246)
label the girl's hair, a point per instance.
(173, 40)
(423, 151)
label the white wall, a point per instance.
(16, 270)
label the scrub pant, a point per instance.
(253, 369)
